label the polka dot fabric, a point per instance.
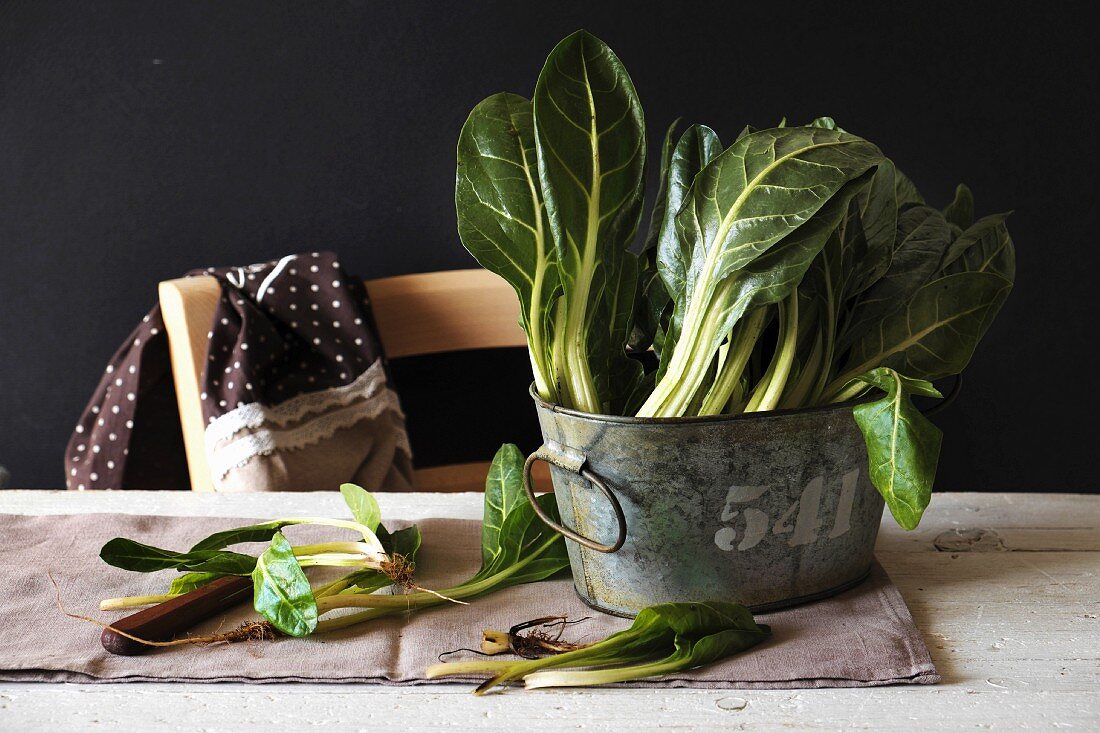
(281, 329)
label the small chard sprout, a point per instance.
(664, 639)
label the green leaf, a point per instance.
(922, 239)
(653, 300)
(590, 137)
(404, 542)
(770, 279)
(663, 639)
(903, 446)
(513, 538)
(190, 581)
(697, 147)
(906, 191)
(251, 533)
(960, 212)
(130, 555)
(984, 247)
(749, 198)
(871, 233)
(363, 505)
(503, 492)
(757, 192)
(936, 333)
(502, 218)
(282, 594)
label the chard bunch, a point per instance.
(796, 267)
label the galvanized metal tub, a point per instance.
(768, 510)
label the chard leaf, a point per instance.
(363, 505)
(936, 333)
(190, 581)
(984, 247)
(511, 533)
(663, 639)
(502, 218)
(282, 594)
(590, 138)
(503, 492)
(960, 212)
(761, 189)
(404, 542)
(871, 232)
(757, 192)
(903, 446)
(252, 533)
(922, 239)
(130, 555)
(906, 191)
(697, 147)
(653, 299)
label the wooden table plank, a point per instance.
(1004, 587)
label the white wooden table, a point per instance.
(1009, 613)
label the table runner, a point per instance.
(863, 637)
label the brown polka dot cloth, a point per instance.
(294, 392)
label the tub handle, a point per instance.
(576, 462)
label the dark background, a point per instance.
(140, 140)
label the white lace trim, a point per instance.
(255, 415)
(266, 442)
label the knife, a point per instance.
(164, 621)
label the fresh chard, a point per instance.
(516, 548)
(783, 271)
(664, 639)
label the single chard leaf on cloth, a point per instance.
(503, 491)
(664, 639)
(903, 446)
(502, 218)
(513, 539)
(590, 138)
(282, 593)
(138, 557)
(363, 505)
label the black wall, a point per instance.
(139, 140)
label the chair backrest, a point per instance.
(427, 313)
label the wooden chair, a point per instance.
(428, 313)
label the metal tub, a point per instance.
(768, 510)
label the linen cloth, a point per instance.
(294, 392)
(863, 637)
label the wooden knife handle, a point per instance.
(165, 620)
